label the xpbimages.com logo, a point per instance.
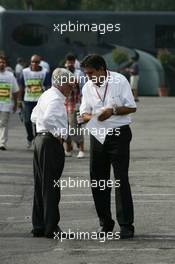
(60, 80)
(79, 235)
(101, 28)
(84, 131)
(81, 183)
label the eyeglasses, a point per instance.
(35, 62)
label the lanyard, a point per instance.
(106, 88)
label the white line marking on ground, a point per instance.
(110, 249)
(10, 195)
(134, 194)
(91, 202)
(135, 201)
(89, 194)
(7, 204)
(10, 218)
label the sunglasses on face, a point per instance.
(35, 62)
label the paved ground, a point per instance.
(153, 184)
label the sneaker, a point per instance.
(81, 155)
(3, 148)
(68, 153)
(29, 144)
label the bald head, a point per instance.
(35, 61)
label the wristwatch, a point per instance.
(114, 109)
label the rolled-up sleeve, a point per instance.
(34, 114)
(126, 94)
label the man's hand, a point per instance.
(105, 114)
(86, 117)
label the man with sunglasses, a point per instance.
(34, 80)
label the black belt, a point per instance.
(122, 127)
(50, 134)
(44, 134)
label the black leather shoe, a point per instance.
(126, 232)
(59, 234)
(105, 229)
(2, 148)
(37, 233)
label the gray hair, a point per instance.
(61, 76)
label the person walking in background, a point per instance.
(8, 100)
(8, 66)
(34, 80)
(19, 67)
(107, 101)
(134, 76)
(72, 106)
(50, 117)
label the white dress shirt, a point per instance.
(118, 93)
(50, 114)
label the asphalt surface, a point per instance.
(152, 181)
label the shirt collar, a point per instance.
(105, 82)
(58, 92)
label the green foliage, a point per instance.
(119, 55)
(42, 4)
(15, 4)
(2, 53)
(106, 5)
(145, 5)
(167, 58)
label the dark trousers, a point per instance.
(48, 165)
(27, 108)
(115, 151)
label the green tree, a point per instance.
(106, 5)
(15, 4)
(98, 5)
(145, 5)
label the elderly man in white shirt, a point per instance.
(50, 118)
(108, 101)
